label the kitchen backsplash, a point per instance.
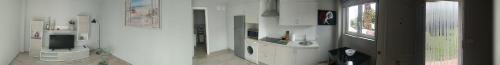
(269, 27)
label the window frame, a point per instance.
(347, 26)
(359, 32)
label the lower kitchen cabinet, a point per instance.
(275, 54)
(306, 56)
(267, 53)
(285, 56)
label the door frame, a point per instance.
(206, 28)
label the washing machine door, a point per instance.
(250, 50)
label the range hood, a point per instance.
(270, 8)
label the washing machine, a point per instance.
(251, 51)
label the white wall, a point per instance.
(496, 32)
(363, 45)
(22, 26)
(269, 27)
(400, 32)
(274, 30)
(478, 36)
(216, 23)
(326, 35)
(172, 44)
(9, 30)
(398, 36)
(62, 11)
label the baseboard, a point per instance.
(118, 58)
(14, 58)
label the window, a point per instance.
(353, 19)
(361, 20)
(442, 34)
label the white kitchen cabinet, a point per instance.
(276, 54)
(251, 11)
(248, 8)
(296, 56)
(306, 56)
(285, 56)
(298, 12)
(251, 17)
(267, 53)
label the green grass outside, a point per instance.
(442, 47)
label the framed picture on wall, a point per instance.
(143, 13)
(327, 17)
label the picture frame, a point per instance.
(143, 13)
(327, 17)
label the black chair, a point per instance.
(339, 57)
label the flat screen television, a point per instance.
(62, 42)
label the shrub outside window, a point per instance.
(361, 20)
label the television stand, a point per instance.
(54, 49)
(67, 48)
(64, 54)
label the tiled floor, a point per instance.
(224, 57)
(94, 59)
(200, 51)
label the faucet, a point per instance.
(305, 37)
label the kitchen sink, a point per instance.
(305, 43)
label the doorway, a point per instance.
(443, 33)
(199, 18)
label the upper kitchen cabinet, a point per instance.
(298, 12)
(252, 12)
(249, 8)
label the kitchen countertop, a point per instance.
(293, 44)
(296, 44)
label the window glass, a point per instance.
(361, 20)
(442, 35)
(353, 19)
(369, 19)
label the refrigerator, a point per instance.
(239, 36)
